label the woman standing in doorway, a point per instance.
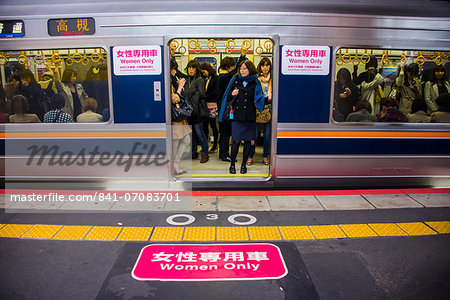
(245, 92)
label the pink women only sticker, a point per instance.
(209, 262)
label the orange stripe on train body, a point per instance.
(87, 134)
(361, 134)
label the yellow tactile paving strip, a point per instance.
(251, 233)
(72, 233)
(387, 229)
(441, 227)
(167, 234)
(327, 232)
(135, 234)
(199, 234)
(42, 231)
(357, 230)
(232, 234)
(103, 233)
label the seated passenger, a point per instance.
(89, 115)
(56, 115)
(418, 111)
(19, 106)
(363, 113)
(442, 115)
(390, 112)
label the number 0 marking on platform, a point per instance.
(190, 219)
(232, 220)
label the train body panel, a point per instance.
(307, 143)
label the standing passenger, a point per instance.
(246, 92)
(371, 81)
(29, 88)
(227, 69)
(408, 86)
(346, 93)
(72, 92)
(264, 72)
(211, 102)
(194, 91)
(437, 86)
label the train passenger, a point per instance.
(19, 108)
(442, 115)
(407, 87)
(56, 113)
(227, 69)
(346, 93)
(246, 93)
(371, 82)
(89, 115)
(390, 111)
(72, 92)
(175, 74)
(437, 86)
(418, 111)
(48, 87)
(29, 88)
(3, 106)
(180, 130)
(211, 102)
(363, 113)
(11, 86)
(264, 71)
(96, 85)
(194, 91)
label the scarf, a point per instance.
(259, 96)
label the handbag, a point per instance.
(181, 110)
(229, 111)
(264, 116)
(212, 109)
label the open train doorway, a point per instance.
(202, 71)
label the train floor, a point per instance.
(325, 244)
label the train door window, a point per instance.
(54, 86)
(379, 85)
(214, 62)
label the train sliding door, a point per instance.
(206, 156)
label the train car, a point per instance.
(121, 53)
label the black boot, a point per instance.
(243, 169)
(232, 169)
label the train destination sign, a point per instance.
(305, 60)
(209, 262)
(71, 26)
(137, 60)
(12, 29)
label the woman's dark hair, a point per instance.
(433, 71)
(345, 75)
(250, 66)
(414, 69)
(418, 104)
(389, 102)
(405, 76)
(372, 63)
(67, 75)
(196, 65)
(27, 75)
(227, 62)
(262, 62)
(89, 104)
(363, 104)
(173, 64)
(57, 101)
(207, 66)
(19, 104)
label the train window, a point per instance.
(54, 86)
(376, 85)
(212, 63)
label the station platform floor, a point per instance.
(336, 244)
